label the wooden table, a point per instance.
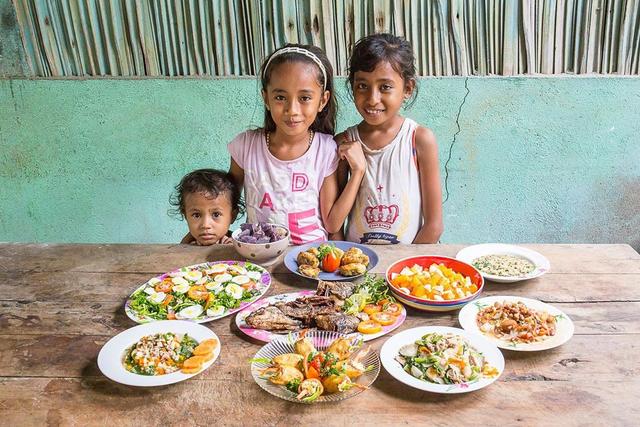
(61, 303)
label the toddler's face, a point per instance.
(379, 94)
(208, 217)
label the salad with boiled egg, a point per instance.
(201, 292)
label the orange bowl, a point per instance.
(426, 261)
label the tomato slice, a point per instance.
(383, 318)
(393, 308)
(164, 286)
(198, 292)
(330, 262)
(372, 308)
(369, 327)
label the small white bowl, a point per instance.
(471, 253)
(262, 253)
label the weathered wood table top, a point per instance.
(61, 303)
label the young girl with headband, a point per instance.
(288, 167)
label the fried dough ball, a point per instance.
(354, 256)
(353, 269)
(314, 251)
(307, 258)
(309, 271)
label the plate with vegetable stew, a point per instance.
(441, 359)
(200, 293)
(517, 323)
(159, 353)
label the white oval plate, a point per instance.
(564, 331)
(111, 355)
(470, 253)
(263, 287)
(390, 350)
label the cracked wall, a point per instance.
(522, 159)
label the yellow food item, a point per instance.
(436, 283)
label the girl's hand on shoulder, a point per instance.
(351, 151)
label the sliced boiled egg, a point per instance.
(179, 281)
(181, 288)
(154, 281)
(202, 280)
(254, 275)
(216, 269)
(193, 275)
(149, 290)
(222, 278)
(218, 310)
(238, 269)
(178, 273)
(234, 290)
(157, 297)
(216, 287)
(190, 312)
(241, 280)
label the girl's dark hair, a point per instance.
(369, 51)
(208, 181)
(325, 121)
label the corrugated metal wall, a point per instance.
(231, 37)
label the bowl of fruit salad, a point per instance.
(261, 242)
(434, 283)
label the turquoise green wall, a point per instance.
(534, 159)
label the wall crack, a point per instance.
(453, 142)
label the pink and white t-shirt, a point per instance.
(285, 192)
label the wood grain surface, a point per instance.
(59, 304)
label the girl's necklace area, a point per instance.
(268, 138)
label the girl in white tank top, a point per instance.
(400, 198)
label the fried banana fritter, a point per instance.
(307, 258)
(354, 256)
(309, 271)
(353, 269)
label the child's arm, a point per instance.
(334, 212)
(237, 173)
(430, 188)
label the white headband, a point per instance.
(301, 51)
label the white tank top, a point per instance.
(388, 207)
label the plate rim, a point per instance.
(541, 268)
(242, 315)
(289, 256)
(122, 376)
(524, 347)
(129, 311)
(387, 357)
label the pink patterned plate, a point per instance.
(268, 336)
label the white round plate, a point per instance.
(321, 341)
(471, 253)
(111, 356)
(564, 325)
(267, 336)
(390, 350)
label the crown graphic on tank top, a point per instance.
(381, 216)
